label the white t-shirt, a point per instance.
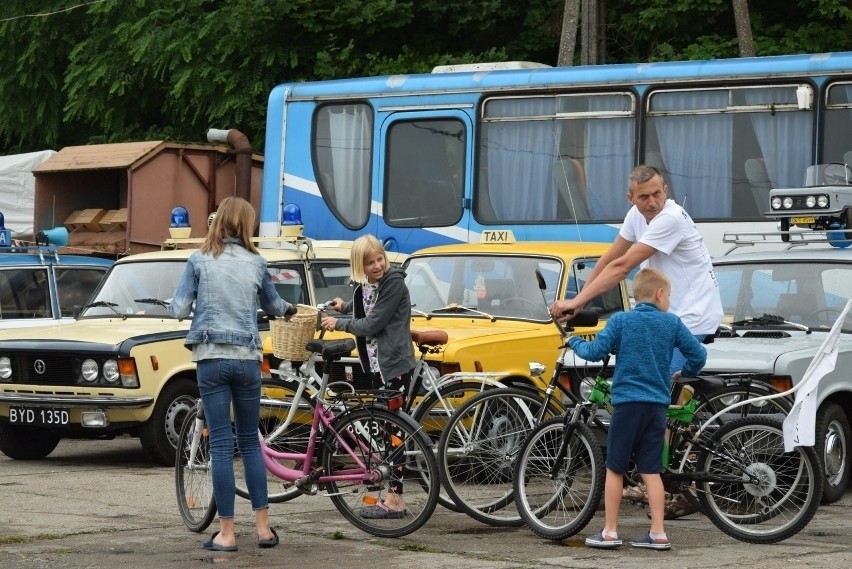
(682, 256)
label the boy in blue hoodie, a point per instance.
(643, 340)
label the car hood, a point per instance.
(761, 353)
(96, 330)
(459, 329)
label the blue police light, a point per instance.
(291, 215)
(179, 228)
(5, 234)
(180, 217)
(291, 222)
(837, 238)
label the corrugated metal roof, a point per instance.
(118, 155)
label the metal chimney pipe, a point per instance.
(242, 150)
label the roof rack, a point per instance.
(30, 248)
(794, 238)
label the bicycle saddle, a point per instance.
(429, 337)
(331, 350)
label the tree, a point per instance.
(743, 24)
(568, 38)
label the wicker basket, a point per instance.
(289, 338)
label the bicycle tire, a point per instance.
(476, 453)
(434, 411)
(273, 412)
(790, 486)
(711, 402)
(365, 428)
(194, 482)
(561, 507)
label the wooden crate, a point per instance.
(114, 219)
(85, 219)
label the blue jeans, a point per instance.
(222, 382)
(678, 359)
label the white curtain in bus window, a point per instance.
(837, 142)
(609, 154)
(343, 145)
(696, 148)
(783, 132)
(561, 158)
(520, 158)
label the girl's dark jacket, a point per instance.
(389, 322)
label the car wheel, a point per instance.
(832, 446)
(22, 443)
(161, 432)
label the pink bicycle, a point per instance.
(336, 442)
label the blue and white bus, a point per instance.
(426, 159)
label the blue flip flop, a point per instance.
(209, 545)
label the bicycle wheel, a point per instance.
(756, 492)
(434, 411)
(714, 401)
(556, 507)
(274, 408)
(194, 478)
(390, 445)
(477, 450)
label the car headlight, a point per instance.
(810, 201)
(775, 203)
(435, 374)
(89, 370)
(111, 371)
(822, 201)
(5, 368)
(586, 386)
(787, 203)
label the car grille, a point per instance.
(58, 369)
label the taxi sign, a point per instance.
(497, 236)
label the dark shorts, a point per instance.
(636, 431)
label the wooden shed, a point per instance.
(117, 199)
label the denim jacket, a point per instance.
(225, 292)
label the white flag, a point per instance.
(800, 424)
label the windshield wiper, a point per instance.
(770, 320)
(162, 303)
(104, 303)
(460, 309)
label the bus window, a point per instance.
(342, 144)
(425, 173)
(721, 149)
(557, 158)
(838, 124)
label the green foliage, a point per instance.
(119, 70)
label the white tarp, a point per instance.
(17, 190)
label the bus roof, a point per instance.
(626, 73)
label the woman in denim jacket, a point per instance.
(224, 281)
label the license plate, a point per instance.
(802, 220)
(38, 416)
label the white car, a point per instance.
(779, 307)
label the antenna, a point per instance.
(564, 174)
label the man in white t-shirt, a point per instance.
(658, 233)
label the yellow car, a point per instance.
(486, 298)
(121, 367)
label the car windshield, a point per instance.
(808, 293)
(500, 286)
(137, 289)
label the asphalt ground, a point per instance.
(102, 504)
